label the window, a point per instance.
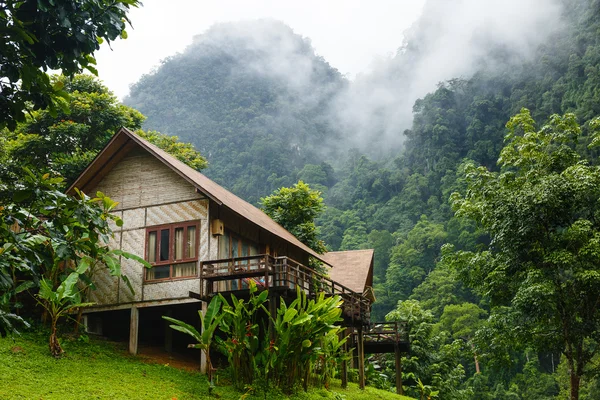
(172, 250)
(233, 246)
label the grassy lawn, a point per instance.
(103, 370)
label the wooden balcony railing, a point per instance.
(386, 332)
(267, 272)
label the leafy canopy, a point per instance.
(295, 209)
(65, 143)
(38, 35)
(541, 269)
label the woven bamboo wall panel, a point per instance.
(133, 242)
(177, 212)
(204, 238)
(134, 218)
(112, 224)
(141, 180)
(107, 286)
(169, 290)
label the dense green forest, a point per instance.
(485, 233)
(245, 118)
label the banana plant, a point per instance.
(209, 323)
(59, 302)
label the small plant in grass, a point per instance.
(58, 303)
(209, 323)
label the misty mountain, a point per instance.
(251, 96)
(451, 39)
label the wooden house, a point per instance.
(201, 240)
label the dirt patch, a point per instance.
(157, 355)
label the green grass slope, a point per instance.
(103, 370)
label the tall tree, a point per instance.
(541, 269)
(38, 35)
(295, 209)
(66, 142)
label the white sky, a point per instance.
(349, 34)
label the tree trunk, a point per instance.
(55, 348)
(477, 369)
(78, 321)
(575, 380)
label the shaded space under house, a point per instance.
(202, 240)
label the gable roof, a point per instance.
(351, 268)
(125, 140)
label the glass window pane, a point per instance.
(160, 272)
(179, 244)
(164, 245)
(151, 247)
(191, 242)
(234, 247)
(185, 269)
(224, 246)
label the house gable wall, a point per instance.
(149, 194)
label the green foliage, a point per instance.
(209, 323)
(300, 339)
(414, 257)
(295, 209)
(66, 142)
(242, 344)
(184, 152)
(53, 246)
(432, 361)
(304, 341)
(56, 35)
(542, 263)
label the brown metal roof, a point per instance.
(123, 140)
(352, 268)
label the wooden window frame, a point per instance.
(171, 262)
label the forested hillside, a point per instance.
(251, 97)
(266, 111)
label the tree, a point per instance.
(53, 244)
(541, 269)
(432, 361)
(414, 257)
(65, 143)
(37, 35)
(462, 321)
(295, 209)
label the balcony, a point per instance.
(281, 275)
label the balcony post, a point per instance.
(361, 357)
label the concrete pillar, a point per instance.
(134, 324)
